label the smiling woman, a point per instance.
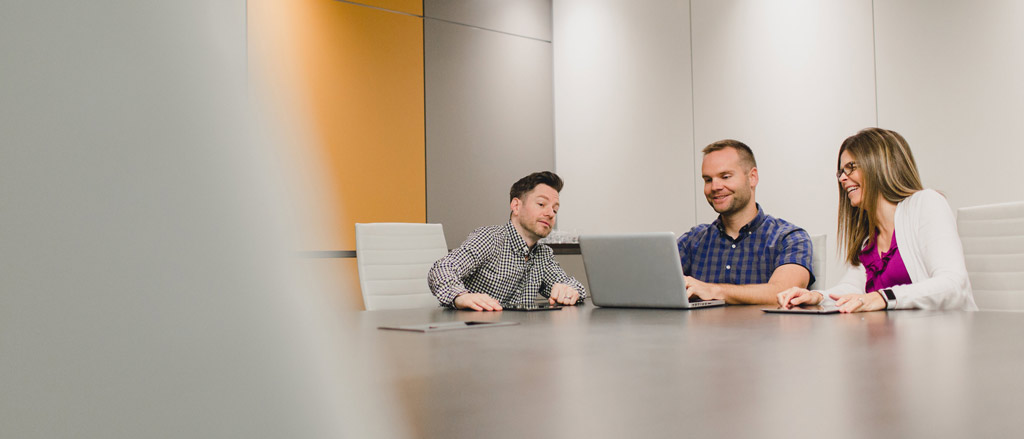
(882, 172)
(880, 193)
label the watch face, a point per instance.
(889, 294)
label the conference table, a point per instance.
(733, 371)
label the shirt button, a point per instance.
(728, 267)
(734, 246)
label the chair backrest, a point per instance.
(393, 261)
(818, 261)
(993, 240)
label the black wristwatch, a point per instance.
(889, 297)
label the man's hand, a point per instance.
(797, 296)
(783, 278)
(859, 302)
(564, 295)
(477, 302)
(703, 290)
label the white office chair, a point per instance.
(818, 261)
(993, 240)
(393, 261)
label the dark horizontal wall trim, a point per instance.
(379, 8)
(328, 254)
(565, 249)
(486, 29)
(559, 249)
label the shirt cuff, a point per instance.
(448, 297)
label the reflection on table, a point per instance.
(731, 371)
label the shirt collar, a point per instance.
(516, 241)
(870, 246)
(753, 224)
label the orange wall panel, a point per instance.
(354, 75)
(414, 7)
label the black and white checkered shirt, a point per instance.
(496, 260)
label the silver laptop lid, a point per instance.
(640, 270)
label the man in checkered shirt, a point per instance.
(744, 256)
(503, 264)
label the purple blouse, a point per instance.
(883, 271)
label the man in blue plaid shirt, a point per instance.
(744, 256)
(503, 264)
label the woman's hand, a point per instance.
(859, 302)
(797, 296)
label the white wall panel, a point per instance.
(623, 136)
(791, 79)
(949, 80)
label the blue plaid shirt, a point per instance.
(766, 243)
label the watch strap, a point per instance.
(890, 298)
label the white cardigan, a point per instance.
(930, 247)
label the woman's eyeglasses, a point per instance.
(846, 169)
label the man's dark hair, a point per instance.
(746, 155)
(527, 183)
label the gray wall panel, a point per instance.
(489, 121)
(530, 18)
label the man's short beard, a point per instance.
(736, 205)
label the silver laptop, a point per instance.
(637, 270)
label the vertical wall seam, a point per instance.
(248, 83)
(874, 56)
(426, 169)
(693, 110)
(554, 109)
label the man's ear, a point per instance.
(515, 205)
(753, 177)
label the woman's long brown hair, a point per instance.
(886, 167)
